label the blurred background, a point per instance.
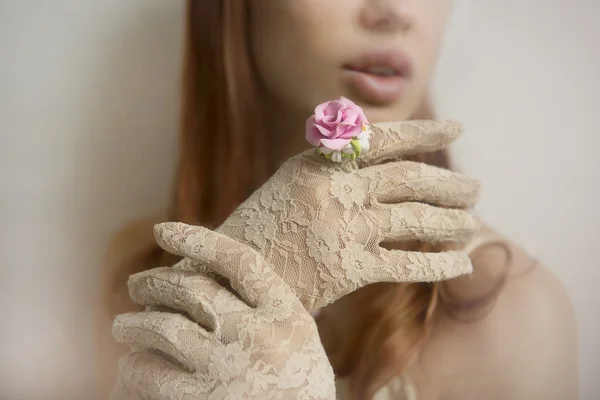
(88, 135)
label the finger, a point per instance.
(242, 266)
(412, 222)
(392, 140)
(409, 266)
(365, 266)
(193, 293)
(403, 181)
(169, 333)
(144, 375)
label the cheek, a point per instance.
(294, 50)
(429, 33)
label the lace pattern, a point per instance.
(231, 320)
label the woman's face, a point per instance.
(379, 53)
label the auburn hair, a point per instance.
(221, 112)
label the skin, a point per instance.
(301, 46)
(525, 347)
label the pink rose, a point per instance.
(334, 125)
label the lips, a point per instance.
(379, 78)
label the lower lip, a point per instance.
(376, 89)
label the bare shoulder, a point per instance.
(533, 324)
(524, 347)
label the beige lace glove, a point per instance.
(316, 226)
(320, 225)
(216, 345)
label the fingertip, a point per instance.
(462, 264)
(117, 326)
(454, 126)
(472, 191)
(168, 229)
(173, 237)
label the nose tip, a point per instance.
(385, 16)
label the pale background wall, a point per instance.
(88, 115)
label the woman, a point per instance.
(254, 71)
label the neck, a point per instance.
(285, 131)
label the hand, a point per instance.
(320, 225)
(260, 345)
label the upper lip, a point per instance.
(397, 62)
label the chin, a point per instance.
(383, 114)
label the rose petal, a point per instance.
(348, 103)
(320, 111)
(347, 127)
(333, 120)
(330, 121)
(325, 131)
(347, 132)
(333, 108)
(349, 116)
(340, 129)
(313, 136)
(335, 144)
